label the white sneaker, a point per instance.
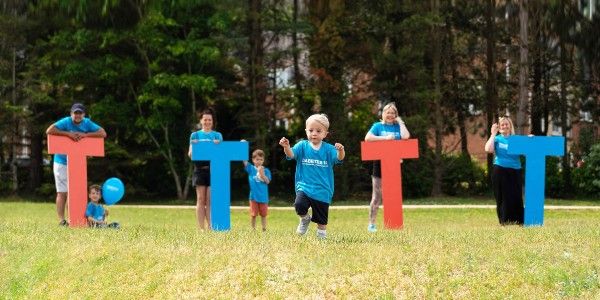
(322, 236)
(303, 226)
(372, 228)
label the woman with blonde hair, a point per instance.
(391, 127)
(506, 176)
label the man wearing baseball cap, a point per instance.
(76, 127)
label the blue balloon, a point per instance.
(113, 190)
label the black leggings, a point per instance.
(508, 190)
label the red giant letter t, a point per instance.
(390, 153)
(77, 171)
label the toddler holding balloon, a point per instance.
(96, 213)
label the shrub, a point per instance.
(417, 176)
(555, 184)
(463, 176)
(586, 178)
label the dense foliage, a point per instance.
(144, 68)
(586, 177)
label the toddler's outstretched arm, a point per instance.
(341, 152)
(285, 143)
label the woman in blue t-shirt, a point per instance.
(506, 177)
(391, 127)
(201, 174)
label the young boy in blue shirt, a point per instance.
(258, 177)
(314, 173)
(96, 213)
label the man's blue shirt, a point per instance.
(66, 124)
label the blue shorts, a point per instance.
(320, 209)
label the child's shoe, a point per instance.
(64, 223)
(321, 235)
(372, 228)
(303, 226)
(114, 225)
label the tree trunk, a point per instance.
(461, 112)
(36, 167)
(564, 104)
(256, 76)
(436, 189)
(13, 168)
(305, 108)
(192, 121)
(523, 68)
(537, 106)
(464, 145)
(492, 99)
(15, 133)
(537, 53)
(546, 93)
(168, 155)
(2, 158)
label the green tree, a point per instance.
(178, 59)
(142, 76)
(11, 100)
(338, 55)
(34, 95)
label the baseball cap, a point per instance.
(78, 107)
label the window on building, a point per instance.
(282, 123)
(557, 128)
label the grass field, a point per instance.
(288, 199)
(158, 253)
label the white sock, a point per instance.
(306, 217)
(321, 231)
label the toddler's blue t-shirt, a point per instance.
(314, 170)
(259, 190)
(95, 211)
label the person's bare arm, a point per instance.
(341, 152)
(76, 136)
(404, 133)
(370, 137)
(489, 145)
(98, 133)
(261, 174)
(285, 143)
